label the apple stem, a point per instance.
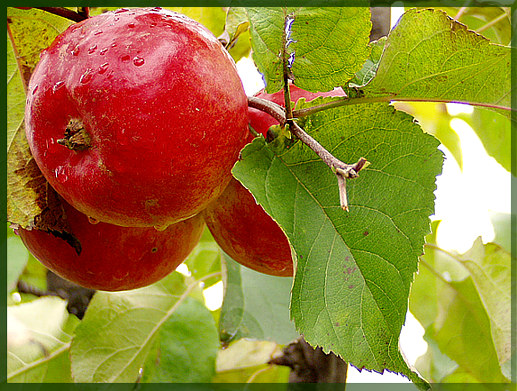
(65, 13)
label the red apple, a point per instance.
(136, 117)
(114, 258)
(239, 225)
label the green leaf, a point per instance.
(435, 120)
(255, 305)
(39, 335)
(494, 131)
(236, 31)
(369, 68)
(462, 332)
(17, 258)
(245, 361)
(490, 268)
(499, 30)
(205, 259)
(329, 44)
(29, 32)
(119, 329)
(26, 185)
(502, 223)
(266, 32)
(15, 96)
(354, 269)
(470, 323)
(186, 349)
(430, 56)
(213, 18)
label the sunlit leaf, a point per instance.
(430, 56)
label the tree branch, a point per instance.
(274, 110)
(386, 98)
(342, 170)
(65, 13)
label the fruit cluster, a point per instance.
(135, 118)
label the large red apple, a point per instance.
(136, 117)
(111, 257)
(239, 225)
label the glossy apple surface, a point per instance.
(114, 258)
(239, 225)
(151, 111)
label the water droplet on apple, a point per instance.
(75, 51)
(102, 52)
(125, 58)
(138, 61)
(157, 9)
(103, 68)
(98, 32)
(119, 11)
(58, 85)
(131, 25)
(92, 49)
(61, 174)
(91, 220)
(152, 25)
(86, 76)
(114, 45)
(34, 90)
(161, 228)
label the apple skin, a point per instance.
(114, 258)
(239, 225)
(162, 105)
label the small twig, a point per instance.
(492, 22)
(64, 12)
(342, 170)
(274, 110)
(460, 13)
(285, 64)
(84, 11)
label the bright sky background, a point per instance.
(464, 201)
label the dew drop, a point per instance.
(121, 10)
(103, 68)
(61, 174)
(98, 32)
(161, 228)
(91, 220)
(75, 51)
(86, 76)
(157, 9)
(131, 25)
(92, 49)
(102, 52)
(34, 90)
(138, 61)
(58, 85)
(125, 58)
(114, 45)
(152, 25)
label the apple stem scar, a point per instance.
(342, 170)
(76, 137)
